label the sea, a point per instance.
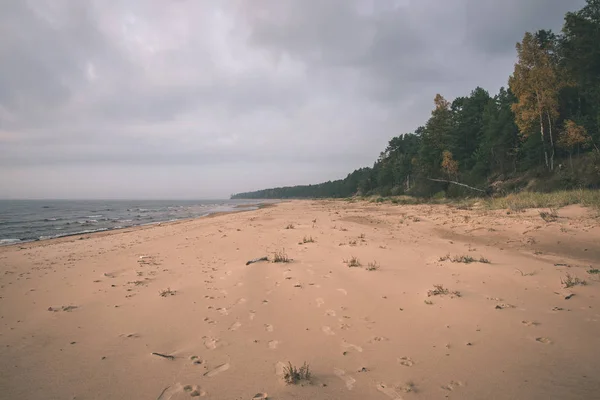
(32, 220)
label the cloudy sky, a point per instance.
(201, 99)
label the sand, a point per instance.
(81, 317)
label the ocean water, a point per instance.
(30, 220)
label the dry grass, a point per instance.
(440, 290)
(523, 200)
(281, 257)
(308, 239)
(167, 292)
(549, 216)
(373, 266)
(293, 375)
(570, 280)
(465, 259)
(353, 262)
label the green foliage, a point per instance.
(543, 133)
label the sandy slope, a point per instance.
(366, 334)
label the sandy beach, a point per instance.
(82, 316)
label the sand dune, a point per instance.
(174, 312)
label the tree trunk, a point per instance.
(551, 141)
(571, 160)
(543, 141)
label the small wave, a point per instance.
(73, 233)
(94, 216)
(9, 241)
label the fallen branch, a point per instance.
(257, 260)
(164, 356)
(456, 183)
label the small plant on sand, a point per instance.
(549, 216)
(308, 239)
(362, 236)
(353, 262)
(593, 271)
(463, 259)
(440, 290)
(293, 375)
(167, 292)
(373, 266)
(281, 257)
(290, 226)
(570, 280)
(352, 242)
(428, 302)
(444, 258)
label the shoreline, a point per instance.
(109, 232)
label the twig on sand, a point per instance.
(257, 260)
(161, 393)
(164, 356)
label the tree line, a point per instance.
(540, 133)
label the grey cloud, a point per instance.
(259, 93)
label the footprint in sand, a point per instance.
(194, 390)
(223, 311)
(260, 396)
(347, 345)
(320, 302)
(217, 370)
(210, 343)
(348, 380)
(236, 325)
(331, 313)
(269, 327)
(343, 291)
(453, 385)
(252, 315)
(273, 344)
(327, 330)
(406, 361)
(241, 301)
(179, 391)
(543, 340)
(388, 391)
(530, 323)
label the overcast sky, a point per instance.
(201, 99)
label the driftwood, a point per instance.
(164, 356)
(257, 260)
(456, 183)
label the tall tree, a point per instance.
(435, 137)
(536, 83)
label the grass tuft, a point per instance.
(373, 266)
(293, 375)
(570, 280)
(281, 257)
(308, 239)
(167, 292)
(353, 262)
(440, 290)
(593, 271)
(549, 216)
